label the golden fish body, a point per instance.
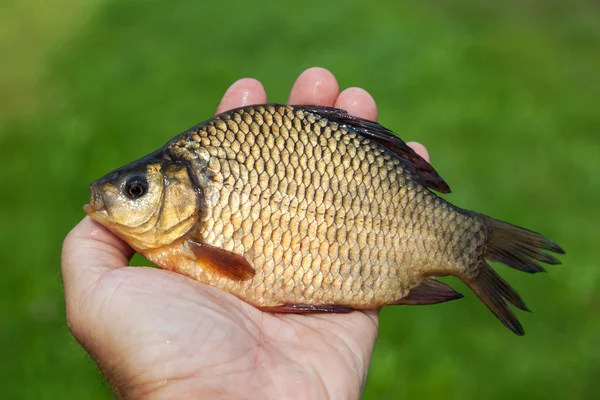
(299, 209)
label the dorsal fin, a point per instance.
(421, 169)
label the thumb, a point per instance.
(89, 252)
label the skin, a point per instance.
(157, 334)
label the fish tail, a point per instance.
(518, 248)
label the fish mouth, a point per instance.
(96, 208)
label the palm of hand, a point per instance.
(180, 336)
(155, 333)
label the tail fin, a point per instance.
(518, 248)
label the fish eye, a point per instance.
(136, 186)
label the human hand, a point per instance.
(158, 334)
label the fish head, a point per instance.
(149, 203)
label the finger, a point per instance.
(244, 92)
(419, 149)
(357, 102)
(316, 86)
(89, 251)
(373, 315)
(91, 244)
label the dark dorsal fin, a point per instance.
(421, 169)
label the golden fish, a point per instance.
(308, 209)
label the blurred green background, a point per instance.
(506, 95)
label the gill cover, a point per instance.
(148, 204)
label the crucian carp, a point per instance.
(307, 209)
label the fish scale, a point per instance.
(286, 190)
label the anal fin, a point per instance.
(221, 262)
(430, 291)
(308, 308)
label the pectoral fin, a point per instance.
(430, 291)
(222, 262)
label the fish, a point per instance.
(307, 209)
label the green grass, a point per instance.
(505, 97)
